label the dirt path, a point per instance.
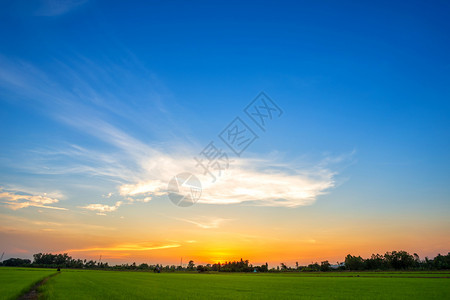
(33, 292)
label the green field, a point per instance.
(15, 281)
(90, 284)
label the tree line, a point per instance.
(395, 260)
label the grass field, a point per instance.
(90, 284)
(129, 285)
(15, 281)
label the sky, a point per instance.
(316, 130)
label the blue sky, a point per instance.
(96, 96)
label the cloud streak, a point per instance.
(211, 224)
(126, 247)
(17, 200)
(103, 208)
(57, 7)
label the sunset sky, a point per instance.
(102, 104)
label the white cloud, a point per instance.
(154, 187)
(260, 182)
(256, 183)
(251, 181)
(103, 208)
(18, 199)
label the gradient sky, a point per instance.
(103, 103)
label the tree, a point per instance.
(399, 260)
(442, 262)
(325, 266)
(375, 262)
(201, 268)
(216, 267)
(16, 262)
(191, 265)
(354, 262)
(312, 267)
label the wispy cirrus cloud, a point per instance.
(209, 223)
(125, 247)
(17, 200)
(144, 173)
(142, 170)
(57, 7)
